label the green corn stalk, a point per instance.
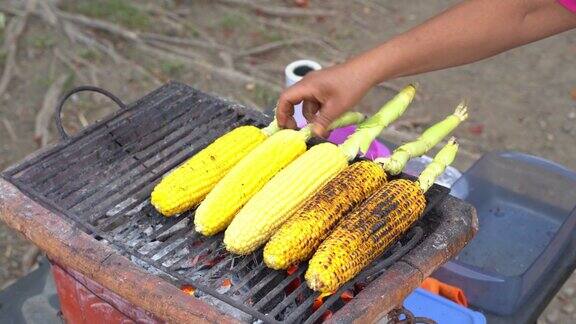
(444, 158)
(367, 131)
(431, 137)
(347, 119)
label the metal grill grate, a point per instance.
(101, 180)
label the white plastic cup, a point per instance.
(294, 72)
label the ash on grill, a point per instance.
(102, 183)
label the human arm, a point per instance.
(466, 33)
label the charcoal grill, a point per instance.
(85, 202)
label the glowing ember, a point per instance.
(319, 301)
(294, 284)
(292, 269)
(326, 316)
(226, 283)
(347, 296)
(188, 289)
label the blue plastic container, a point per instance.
(526, 213)
(443, 311)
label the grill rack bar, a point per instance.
(262, 295)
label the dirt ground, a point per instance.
(523, 100)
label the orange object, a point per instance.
(226, 283)
(188, 289)
(452, 293)
(294, 283)
(347, 296)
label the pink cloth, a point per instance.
(568, 4)
(376, 150)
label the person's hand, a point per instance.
(325, 95)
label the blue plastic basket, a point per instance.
(424, 304)
(526, 212)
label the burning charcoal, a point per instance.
(223, 289)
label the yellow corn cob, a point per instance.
(259, 219)
(245, 179)
(187, 185)
(373, 226)
(268, 209)
(249, 176)
(299, 237)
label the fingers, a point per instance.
(309, 110)
(285, 113)
(288, 99)
(327, 114)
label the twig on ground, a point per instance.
(70, 65)
(13, 32)
(100, 25)
(172, 49)
(249, 69)
(182, 41)
(74, 34)
(10, 130)
(260, 49)
(227, 59)
(278, 23)
(279, 11)
(162, 50)
(222, 71)
(82, 119)
(44, 116)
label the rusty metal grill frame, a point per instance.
(145, 140)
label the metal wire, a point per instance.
(58, 116)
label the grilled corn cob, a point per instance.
(250, 174)
(373, 226)
(187, 185)
(299, 237)
(274, 204)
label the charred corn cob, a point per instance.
(257, 221)
(299, 237)
(250, 174)
(373, 226)
(184, 187)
